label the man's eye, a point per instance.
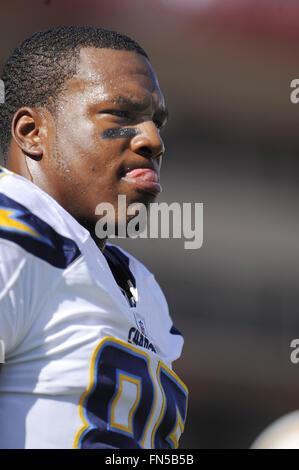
(121, 114)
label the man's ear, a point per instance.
(25, 130)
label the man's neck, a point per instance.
(90, 227)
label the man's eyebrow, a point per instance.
(140, 105)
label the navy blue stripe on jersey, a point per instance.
(121, 257)
(119, 265)
(20, 226)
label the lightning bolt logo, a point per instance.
(9, 220)
(21, 226)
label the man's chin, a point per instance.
(145, 197)
(134, 223)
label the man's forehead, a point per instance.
(116, 75)
(108, 64)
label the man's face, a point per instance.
(106, 125)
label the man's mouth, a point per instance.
(143, 178)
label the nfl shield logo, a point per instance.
(142, 327)
(140, 324)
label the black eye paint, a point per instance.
(120, 133)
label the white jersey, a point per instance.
(85, 365)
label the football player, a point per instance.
(88, 339)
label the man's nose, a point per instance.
(148, 141)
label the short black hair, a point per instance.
(35, 72)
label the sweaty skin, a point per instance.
(69, 154)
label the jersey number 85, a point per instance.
(120, 403)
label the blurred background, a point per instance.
(225, 68)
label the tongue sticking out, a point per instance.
(144, 179)
(143, 174)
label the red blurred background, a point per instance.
(225, 68)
